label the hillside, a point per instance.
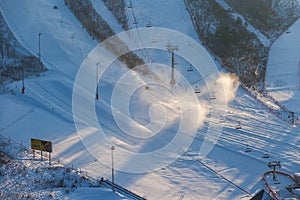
(36, 179)
(16, 62)
(165, 141)
(227, 37)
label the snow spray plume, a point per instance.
(224, 88)
(156, 138)
(226, 85)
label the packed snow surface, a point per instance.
(45, 111)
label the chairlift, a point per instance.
(238, 126)
(149, 24)
(248, 149)
(222, 120)
(135, 21)
(266, 154)
(212, 97)
(190, 69)
(197, 90)
(276, 182)
(130, 5)
(230, 111)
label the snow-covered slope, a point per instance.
(45, 111)
(283, 75)
(108, 16)
(63, 42)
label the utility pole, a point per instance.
(112, 168)
(171, 49)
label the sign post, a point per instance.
(42, 145)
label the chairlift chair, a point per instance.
(197, 90)
(212, 97)
(222, 120)
(276, 182)
(190, 69)
(266, 155)
(238, 126)
(248, 149)
(135, 21)
(130, 5)
(148, 25)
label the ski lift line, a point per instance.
(141, 41)
(141, 49)
(123, 191)
(253, 156)
(212, 170)
(260, 137)
(225, 138)
(183, 17)
(224, 178)
(16, 120)
(52, 103)
(70, 113)
(234, 141)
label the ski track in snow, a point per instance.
(48, 101)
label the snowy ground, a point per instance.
(283, 75)
(45, 111)
(36, 179)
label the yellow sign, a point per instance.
(41, 145)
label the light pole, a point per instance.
(23, 75)
(273, 165)
(112, 168)
(97, 66)
(40, 47)
(171, 49)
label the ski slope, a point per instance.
(282, 79)
(45, 111)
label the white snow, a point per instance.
(110, 19)
(93, 194)
(45, 111)
(283, 77)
